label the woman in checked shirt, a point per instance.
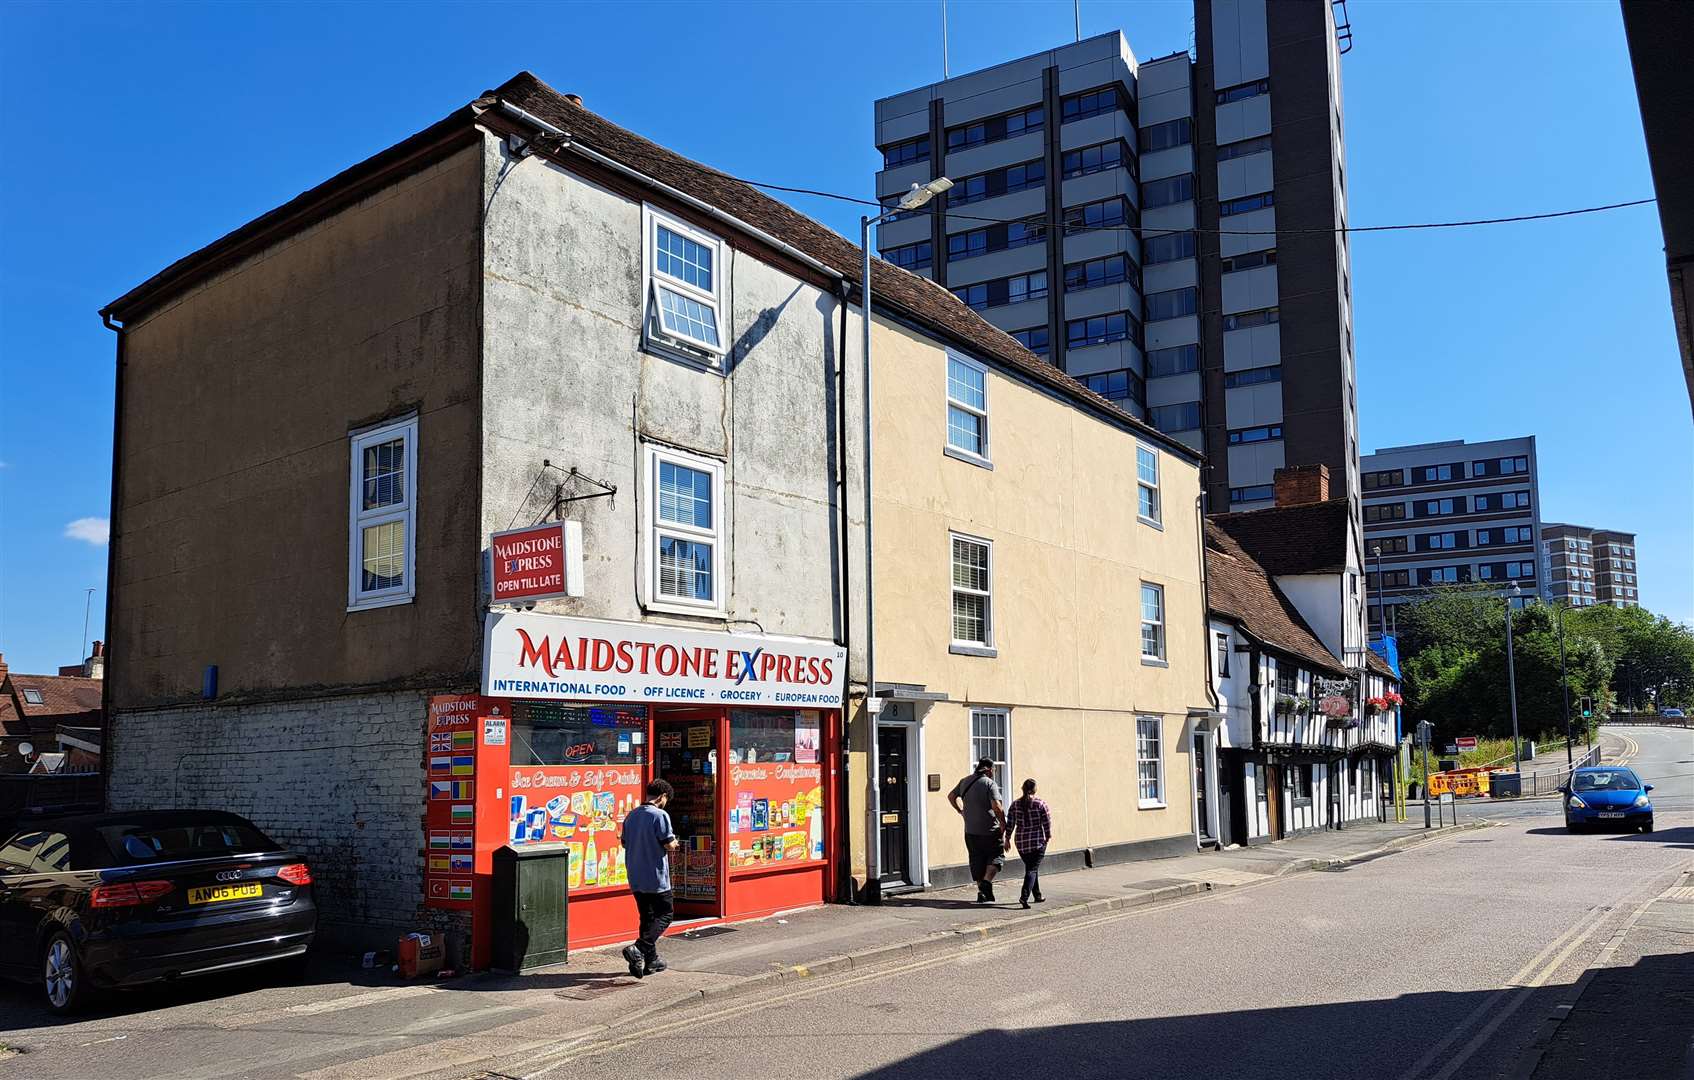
(1028, 821)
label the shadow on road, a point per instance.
(1317, 1042)
(1680, 837)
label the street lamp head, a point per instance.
(922, 193)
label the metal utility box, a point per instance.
(529, 906)
(1505, 785)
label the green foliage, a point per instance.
(1652, 657)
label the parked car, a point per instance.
(1607, 796)
(120, 899)
(1672, 714)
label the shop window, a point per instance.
(776, 814)
(1149, 762)
(384, 514)
(991, 738)
(549, 733)
(684, 288)
(685, 521)
(1300, 779)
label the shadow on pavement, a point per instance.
(1339, 1041)
(1679, 837)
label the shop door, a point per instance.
(687, 757)
(895, 827)
(1273, 796)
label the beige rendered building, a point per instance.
(1038, 601)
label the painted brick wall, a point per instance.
(338, 779)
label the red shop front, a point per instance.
(581, 714)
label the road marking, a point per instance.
(582, 1047)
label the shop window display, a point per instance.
(776, 787)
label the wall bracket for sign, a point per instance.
(560, 498)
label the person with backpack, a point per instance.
(977, 799)
(1030, 820)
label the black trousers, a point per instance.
(657, 911)
(984, 851)
(1032, 871)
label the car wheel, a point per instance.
(1647, 828)
(63, 984)
(1571, 826)
(293, 969)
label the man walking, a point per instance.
(647, 843)
(1029, 820)
(977, 799)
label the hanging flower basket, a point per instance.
(1393, 698)
(1377, 704)
(1285, 704)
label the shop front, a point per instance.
(576, 717)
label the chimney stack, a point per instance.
(574, 99)
(95, 666)
(1301, 485)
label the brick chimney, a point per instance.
(1300, 485)
(3, 667)
(95, 666)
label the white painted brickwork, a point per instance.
(338, 779)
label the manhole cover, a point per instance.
(706, 931)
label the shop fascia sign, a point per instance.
(555, 657)
(540, 562)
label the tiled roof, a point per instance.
(62, 696)
(1378, 665)
(1306, 539)
(896, 289)
(1239, 589)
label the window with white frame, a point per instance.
(991, 738)
(1367, 778)
(1149, 762)
(1147, 482)
(383, 515)
(685, 528)
(1223, 656)
(973, 617)
(685, 286)
(967, 406)
(1152, 621)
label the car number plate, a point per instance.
(1611, 814)
(212, 894)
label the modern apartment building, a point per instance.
(1584, 566)
(1448, 513)
(1120, 219)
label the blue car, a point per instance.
(1607, 796)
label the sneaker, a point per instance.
(1039, 899)
(656, 966)
(637, 963)
(1024, 900)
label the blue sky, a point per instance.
(135, 134)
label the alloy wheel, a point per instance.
(60, 973)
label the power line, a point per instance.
(1215, 232)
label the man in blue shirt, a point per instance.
(647, 843)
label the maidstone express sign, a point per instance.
(528, 564)
(554, 657)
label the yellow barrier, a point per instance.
(1462, 783)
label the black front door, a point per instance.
(891, 756)
(1202, 804)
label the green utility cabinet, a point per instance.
(529, 907)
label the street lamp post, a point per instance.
(918, 196)
(1564, 687)
(1512, 679)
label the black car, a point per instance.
(116, 899)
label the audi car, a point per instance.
(95, 901)
(1607, 797)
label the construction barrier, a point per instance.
(1460, 783)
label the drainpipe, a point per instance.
(873, 786)
(844, 832)
(112, 559)
(1205, 600)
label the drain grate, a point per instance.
(705, 932)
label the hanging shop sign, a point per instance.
(536, 563)
(554, 657)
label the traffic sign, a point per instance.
(1466, 742)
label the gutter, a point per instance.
(566, 142)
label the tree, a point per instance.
(1652, 657)
(1453, 659)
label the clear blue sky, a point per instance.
(134, 134)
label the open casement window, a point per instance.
(973, 616)
(685, 529)
(383, 516)
(685, 287)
